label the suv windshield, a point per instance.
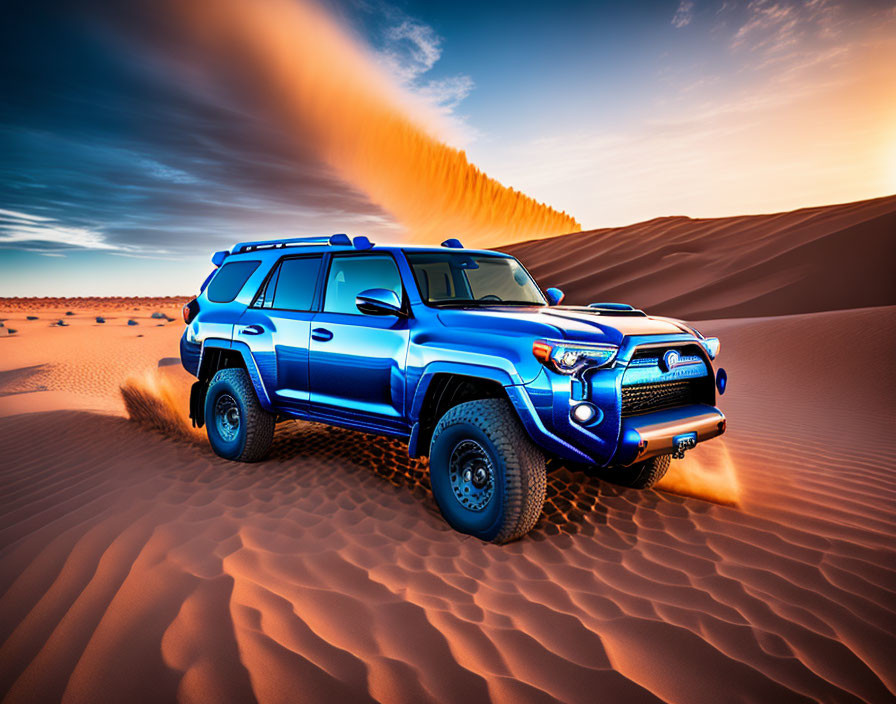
(458, 278)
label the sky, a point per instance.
(137, 138)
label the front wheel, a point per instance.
(487, 476)
(238, 427)
(641, 475)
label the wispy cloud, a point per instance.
(771, 25)
(46, 235)
(447, 92)
(16, 216)
(683, 15)
(164, 172)
(775, 26)
(409, 50)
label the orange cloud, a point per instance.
(320, 84)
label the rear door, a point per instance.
(277, 327)
(357, 361)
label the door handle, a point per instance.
(252, 330)
(321, 334)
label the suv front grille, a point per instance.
(646, 398)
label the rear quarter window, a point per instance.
(229, 281)
(291, 286)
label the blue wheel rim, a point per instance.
(472, 475)
(227, 417)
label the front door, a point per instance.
(357, 361)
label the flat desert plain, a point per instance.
(135, 566)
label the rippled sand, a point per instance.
(137, 566)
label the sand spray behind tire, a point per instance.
(706, 472)
(160, 399)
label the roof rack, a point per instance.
(336, 240)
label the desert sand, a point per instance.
(815, 259)
(137, 566)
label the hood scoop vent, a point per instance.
(599, 310)
(610, 306)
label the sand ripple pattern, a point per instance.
(139, 567)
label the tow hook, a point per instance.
(681, 443)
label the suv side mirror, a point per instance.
(555, 296)
(378, 301)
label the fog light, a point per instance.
(584, 413)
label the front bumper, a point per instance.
(545, 407)
(665, 432)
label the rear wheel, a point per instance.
(641, 475)
(487, 476)
(238, 427)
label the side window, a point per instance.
(353, 274)
(229, 280)
(291, 286)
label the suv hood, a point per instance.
(577, 323)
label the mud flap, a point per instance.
(413, 453)
(197, 403)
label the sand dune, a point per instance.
(805, 261)
(136, 566)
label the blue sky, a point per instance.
(125, 159)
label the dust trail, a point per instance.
(319, 83)
(160, 399)
(706, 472)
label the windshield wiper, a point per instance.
(482, 304)
(453, 304)
(513, 303)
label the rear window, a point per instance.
(291, 286)
(229, 280)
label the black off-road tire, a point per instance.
(251, 439)
(516, 466)
(641, 475)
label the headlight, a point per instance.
(568, 358)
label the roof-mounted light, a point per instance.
(453, 243)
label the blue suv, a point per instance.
(456, 351)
